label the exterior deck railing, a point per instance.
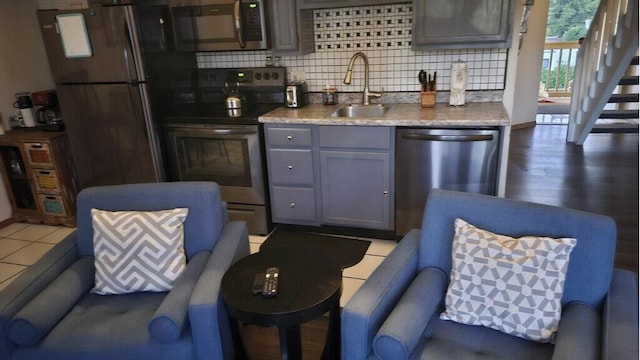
(558, 65)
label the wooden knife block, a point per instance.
(428, 99)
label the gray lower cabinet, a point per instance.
(331, 175)
(356, 189)
(461, 24)
(292, 172)
(291, 28)
(356, 176)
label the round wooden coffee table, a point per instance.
(309, 285)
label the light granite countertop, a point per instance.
(472, 114)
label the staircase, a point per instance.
(621, 113)
(606, 76)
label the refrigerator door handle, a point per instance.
(131, 35)
(149, 129)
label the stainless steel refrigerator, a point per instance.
(97, 63)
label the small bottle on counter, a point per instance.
(329, 95)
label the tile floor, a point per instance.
(22, 244)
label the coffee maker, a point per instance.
(48, 116)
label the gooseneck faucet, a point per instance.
(366, 94)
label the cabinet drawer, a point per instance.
(52, 205)
(355, 137)
(297, 204)
(38, 154)
(291, 167)
(289, 136)
(46, 180)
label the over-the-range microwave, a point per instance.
(216, 25)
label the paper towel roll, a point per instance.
(458, 83)
(27, 117)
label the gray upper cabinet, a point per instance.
(291, 28)
(323, 4)
(457, 24)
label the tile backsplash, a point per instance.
(383, 33)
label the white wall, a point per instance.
(23, 64)
(523, 69)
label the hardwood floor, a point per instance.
(263, 344)
(600, 177)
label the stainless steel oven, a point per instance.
(203, 142)
(230, 155)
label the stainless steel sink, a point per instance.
(358, 110)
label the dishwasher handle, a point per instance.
(450, 138)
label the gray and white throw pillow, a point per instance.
(511, 285)
(138, 250)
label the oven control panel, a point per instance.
(257, 79)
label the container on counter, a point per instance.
(329, 95)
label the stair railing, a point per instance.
(609, 46)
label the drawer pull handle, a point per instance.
(290, 167)
(385, 193)
(292, 205)
(289, 137)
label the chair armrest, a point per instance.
(207, 314)
(406, 324)
(169, 320)
(41, 314)
(365, 312)
(620, 320)
(31, 282)
(579, 333)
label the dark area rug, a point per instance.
(345, 251)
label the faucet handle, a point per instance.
(368, 95)
(375, 94)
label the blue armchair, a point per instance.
(395, 313)
(48, 312)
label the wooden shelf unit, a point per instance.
(39, 176)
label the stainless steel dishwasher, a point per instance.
(451, 159)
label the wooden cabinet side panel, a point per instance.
(19, 213)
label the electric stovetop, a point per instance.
(263, 88)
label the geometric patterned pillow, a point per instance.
(138, 250)
(511, 285)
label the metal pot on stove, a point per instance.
(235, 100)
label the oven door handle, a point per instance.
(233, 131)
(194, 131)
